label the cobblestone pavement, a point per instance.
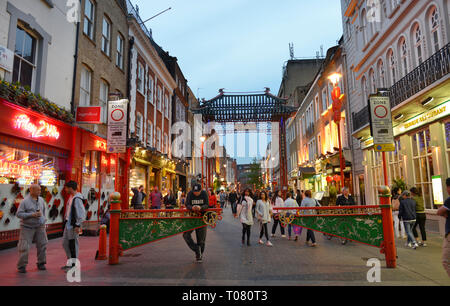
(227, 263)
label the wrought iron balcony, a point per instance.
(430, 71)
(132, 11)
(360, 119)
(427, 73)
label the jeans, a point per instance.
(397, 223)
(408, 229)
(420, 221)
(234, 208)
(246, 231)
(264, 231)
(201, 238)
(26, 241)
(310, 236)
(275, 225)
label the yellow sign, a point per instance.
(384, 147)
(440, 111)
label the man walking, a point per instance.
(75, 215)
(232, 198)
(197, 201)
(444, 212)
(407, 213)
(31, 211)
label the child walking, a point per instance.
(245, 215)
(263, 212)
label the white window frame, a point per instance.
(158, 139)
(139, 126)
(166, 106)
(140, 78)
(149, 133)
(85, 86)
(90, 20)
(120, 53)
(106, 37)
(151, 93)
(103, 99)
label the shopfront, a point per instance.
(420, 159)
(34, 149)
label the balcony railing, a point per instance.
(427, 73)
(430, 71)
(133, 12)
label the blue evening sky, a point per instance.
(240, 45)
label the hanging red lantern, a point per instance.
(336, 178)
(329, 179)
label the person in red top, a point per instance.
(212, 199)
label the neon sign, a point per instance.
(100, 144)
(44, 129)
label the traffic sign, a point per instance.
(381, 123)
(117, 126)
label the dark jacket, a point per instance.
(138, 198)
(170, 201)
(407, 209)
(343, 201)
(202, 200)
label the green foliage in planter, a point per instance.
(400, 183)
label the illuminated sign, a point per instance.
(440, 111)
(43, 129)
(438, 195)
(100, 144)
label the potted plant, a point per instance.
(4, 89)
(399, 183)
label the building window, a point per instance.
(140, 78)
(317, 106)
(376, 162)
(392, 68)
(363, 26)
(396, 164)
(24, 58)
(324, 100)
(158, 139)
(139, 127)
(85, 87)
(166, 106)
(434, 23)
(104, 94)
(150, 90)
(423, 166)
(150, 133)
(417, 36)
(89, 19)
(404, 57)
(373, 84)
(159, 98)
(381, 74)
(166, 144)
(364, 90)
(119, 57)
(106, 36)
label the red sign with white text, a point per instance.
(89, 114)
(27, 124)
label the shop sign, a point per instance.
(90, 114)
(6, 59)
(438, 112)
(381, 123)
(117, 126)
(438, 195)
(367, 143)
(36, 130)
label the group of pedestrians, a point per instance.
(32, 213)
(408, 211)
(157, 200)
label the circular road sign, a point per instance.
(381, 111)
(117, 114)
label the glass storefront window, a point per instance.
(396, 165)
(27, 168)
(423, 166)
(90, 167)
(447, 138)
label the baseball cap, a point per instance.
(197, 188)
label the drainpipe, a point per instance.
(72, 102)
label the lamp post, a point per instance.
(202, 139)
(337, 104)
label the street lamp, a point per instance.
(202, 139)
(337, 104)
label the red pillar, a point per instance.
(114, 248)
(125, 204)
(388, 232)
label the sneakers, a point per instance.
(273, 235)
(21, 270)
(415, 246)
(260, 241)
(409, 245)
(313, 244)
(423, 244)
(269, 244)
(198, 256)
(41, 267)
(284, 236)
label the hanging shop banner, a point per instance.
(89, 114)
(117, 126)
(381, 123)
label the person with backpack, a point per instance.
(396, 193)
(74, 218)
(407, 213)
(421, 217)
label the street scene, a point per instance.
(156, 143)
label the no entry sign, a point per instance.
(117, 126)
(381, 123)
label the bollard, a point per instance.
(388, 247)
(114, 247)
(101, 253)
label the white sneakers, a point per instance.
(269, 244)
(260, 241)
